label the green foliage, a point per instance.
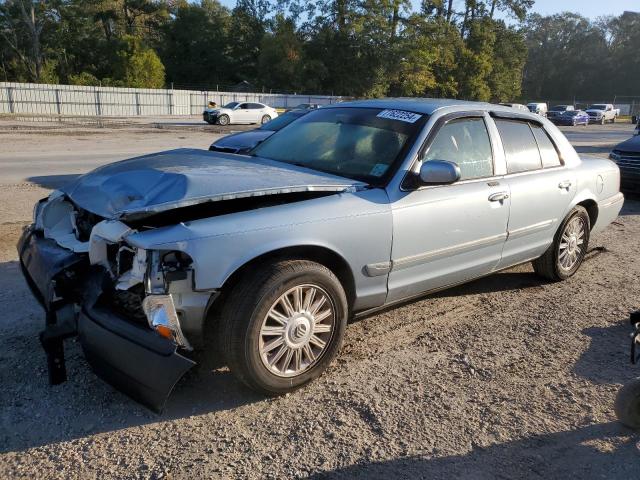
(143, 69)
(83, 78)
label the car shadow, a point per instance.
(34, 413)
(605, 450)
(53, 181)
(607, 359)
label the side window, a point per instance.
(255, 106)
(548, 152)
(243, 106)
(520, 146)
(466, 142)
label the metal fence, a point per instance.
(72, 100)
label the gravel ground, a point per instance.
(506, 377)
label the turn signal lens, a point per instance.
(164, 331)
(163, 318)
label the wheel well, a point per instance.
(322, 255)
(592, 209)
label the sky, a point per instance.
(588, 8)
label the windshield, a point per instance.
(559, 108)
(597, 106)
(572, 113)
(359, 143)
(281, 121)
(231, 105)
(533, 108)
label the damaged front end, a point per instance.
(136, 312)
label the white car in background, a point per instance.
(239, 112)
(540, 108)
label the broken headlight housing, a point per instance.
(163, 318)
(162, 269)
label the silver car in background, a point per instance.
(160, 260)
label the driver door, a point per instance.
(447, 234)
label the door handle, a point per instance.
(498, 197)
(565, 184)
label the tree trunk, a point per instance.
(449, 11)
(29, 17)
(493, 8)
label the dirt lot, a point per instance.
(507, 377)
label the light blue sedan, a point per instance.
(264, 257)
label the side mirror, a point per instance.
(439, 172)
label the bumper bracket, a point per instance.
(60, 324)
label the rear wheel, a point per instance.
(265, 119)
(566, 253)
(223, 120)
(283, 325)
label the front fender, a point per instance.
(356, 226)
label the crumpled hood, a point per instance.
(178, 178)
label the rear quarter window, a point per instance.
(520, 146)
(548, 151)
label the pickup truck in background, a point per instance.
(602, 113)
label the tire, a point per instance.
(613, 120)
(252, 308)
(602, 121)
(554, 264)
(627, 404)
(265, 119)
(223, 120)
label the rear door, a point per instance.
(541, 189)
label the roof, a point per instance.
(425, 106)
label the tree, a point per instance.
(21, 26)
(281, 57)
(195, 46)
(140, 67)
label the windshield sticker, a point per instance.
(401, 115)
(379, 169)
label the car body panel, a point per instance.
(468, 245)
(341, 223)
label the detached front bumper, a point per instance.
(129, 356)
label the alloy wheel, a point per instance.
(297, 330)
(571, 249)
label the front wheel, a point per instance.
(603, 121)
(265, 119)
(283, 325)
(223, 120)
(565, 255)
